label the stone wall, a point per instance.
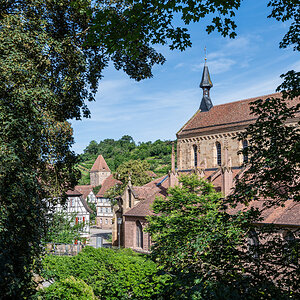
(130, 238)
(97, 177)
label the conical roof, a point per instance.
(205, 81)
(100, 165)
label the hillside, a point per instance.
(116, 152)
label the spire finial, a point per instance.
(205, 84)
(205, 55)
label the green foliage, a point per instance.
(193, 236)
(62, 229)
(112, 274)
(116, 153)
(135, 170)
(96, 189)
(69, 288)
(274, 145)
(206, 249)
(93, 207)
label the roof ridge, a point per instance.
(247, 99)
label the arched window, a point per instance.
(139, 234)
(253, 244)
(245, 155)
(290, 248)
(129, 198)
(195, 156)
(219, 157)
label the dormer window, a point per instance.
(219, 154)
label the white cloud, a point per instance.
(217, 66)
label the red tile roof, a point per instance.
(108, 183)
(287, 215)
(150, 191)
(224, 116)
(84, 189)
(73, 193)
(100, 165)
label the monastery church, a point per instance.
(205, 146)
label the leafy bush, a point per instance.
(61, 229)
(69, 288)
(112, 274)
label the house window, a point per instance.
(139, 234)
(253, 244)
(245, 155)
(101, 221)
(129, 198)
(219, 157)
(106, 221)
(72, 202)
(195, 156)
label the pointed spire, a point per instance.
(206, 84)
(100, 165)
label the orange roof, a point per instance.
(148, 192)
(73, 193)
(100, 165)
(286, 215)
(84, 189)
(224, 116)
(108, 183)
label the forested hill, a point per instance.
(115, 152)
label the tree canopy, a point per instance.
(52, 54)
(117, 152)
(212, 252)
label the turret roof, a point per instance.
(100, 165)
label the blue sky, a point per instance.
(156, 108)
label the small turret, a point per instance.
(206, 84)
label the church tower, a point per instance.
(206, 84)
(99, 172)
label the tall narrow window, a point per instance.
(253, 244)
(139, 234)
(219, 157)
(245, 155)
(290, 248)
(195, 156)
(129, 198)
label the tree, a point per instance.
(52, 54)
(61, 229)
(110, 274)
(134, 170)
(208, 251)
(274, 145)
